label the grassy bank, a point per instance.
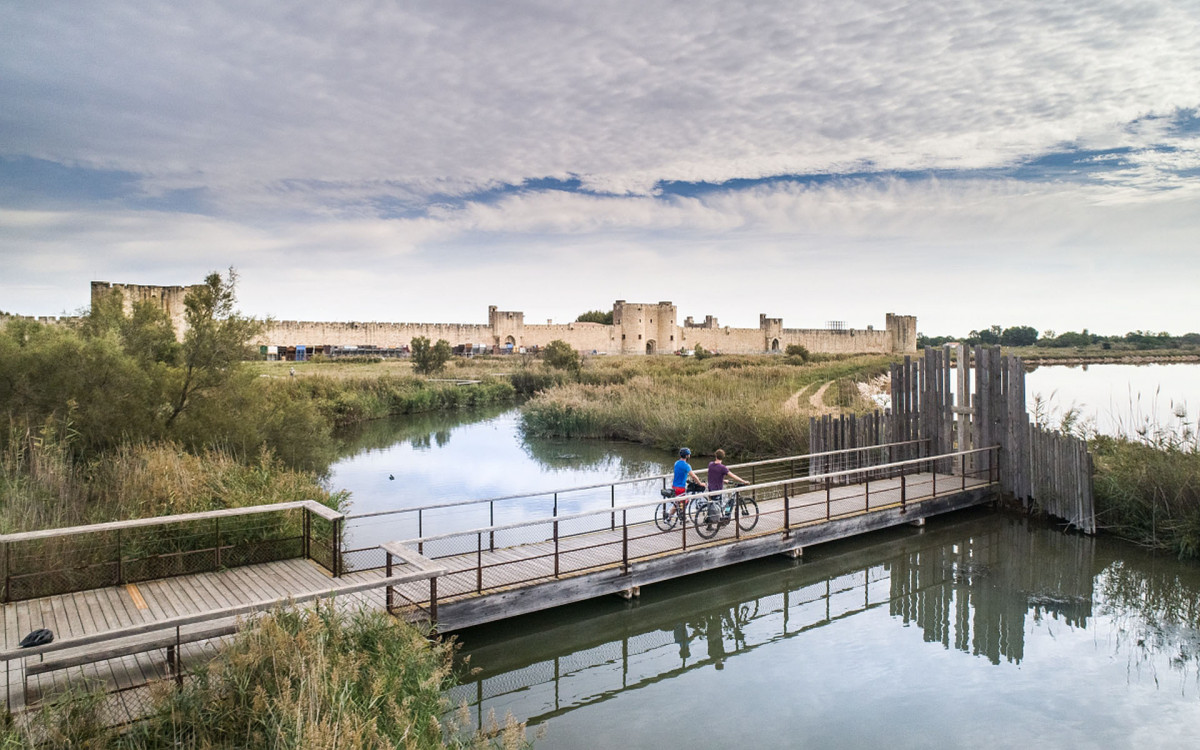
(1034, 355)
(342, 400)
(735, 403)
(296, 680)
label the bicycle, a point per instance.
(674, 511)
(711, 514)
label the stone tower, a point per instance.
(645, 328)
(167, 298)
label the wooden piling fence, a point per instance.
(1052, 471)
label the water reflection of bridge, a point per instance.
(965, 590)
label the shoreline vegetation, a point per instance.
(746, 405)
(113, 418)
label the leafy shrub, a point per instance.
(427, 359)
(561, 356)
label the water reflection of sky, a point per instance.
(1055, 641)
(1119, 397)
(463, 457)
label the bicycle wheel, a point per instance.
(747, 513)
(700, 520)
(666, 516)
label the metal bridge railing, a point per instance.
(491, 558)
(77, 558)
(365, 531)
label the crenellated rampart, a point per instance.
(637, 328)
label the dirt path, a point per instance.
(816, 401)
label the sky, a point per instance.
(971, 163)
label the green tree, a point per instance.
(559, 355)
(796, 352)
(596, 316)
(428, 359)
(988, 337)
(216, 342)
(1019, 336)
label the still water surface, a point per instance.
(1119, 399)
(981, 631)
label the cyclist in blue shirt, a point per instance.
(684, 473)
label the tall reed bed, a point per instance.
(735, 403)
(298, 679)
(344, 400)
(1148, 485)
(43, 485)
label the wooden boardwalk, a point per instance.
(128, 636)
(86, 613)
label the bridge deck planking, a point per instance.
(98, 610)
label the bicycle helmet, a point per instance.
(685, 452)
(39, 637)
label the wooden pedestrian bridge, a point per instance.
(137, 601)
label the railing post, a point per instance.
(307, 543)
(479, 563)
(388, 574)
(178, 658)
(433, 600)
(120, 561)
(336, 546)
(217, 524)
(867, 494)
(7, 577)
(828, 497)
(935, 480)
(491, 522)
(903, 492)
(963, 464)
(624, 541)
(787, 511)
(612, 503)
(556, 569)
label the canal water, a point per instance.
(1119, 399)
(981, 630)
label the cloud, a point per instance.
(807, 160)
(457, 96)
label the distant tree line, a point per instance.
(1029, 336)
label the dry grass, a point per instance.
(735, 403)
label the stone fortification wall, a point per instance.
(49, 320)
(383, 335)
(637, 328)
